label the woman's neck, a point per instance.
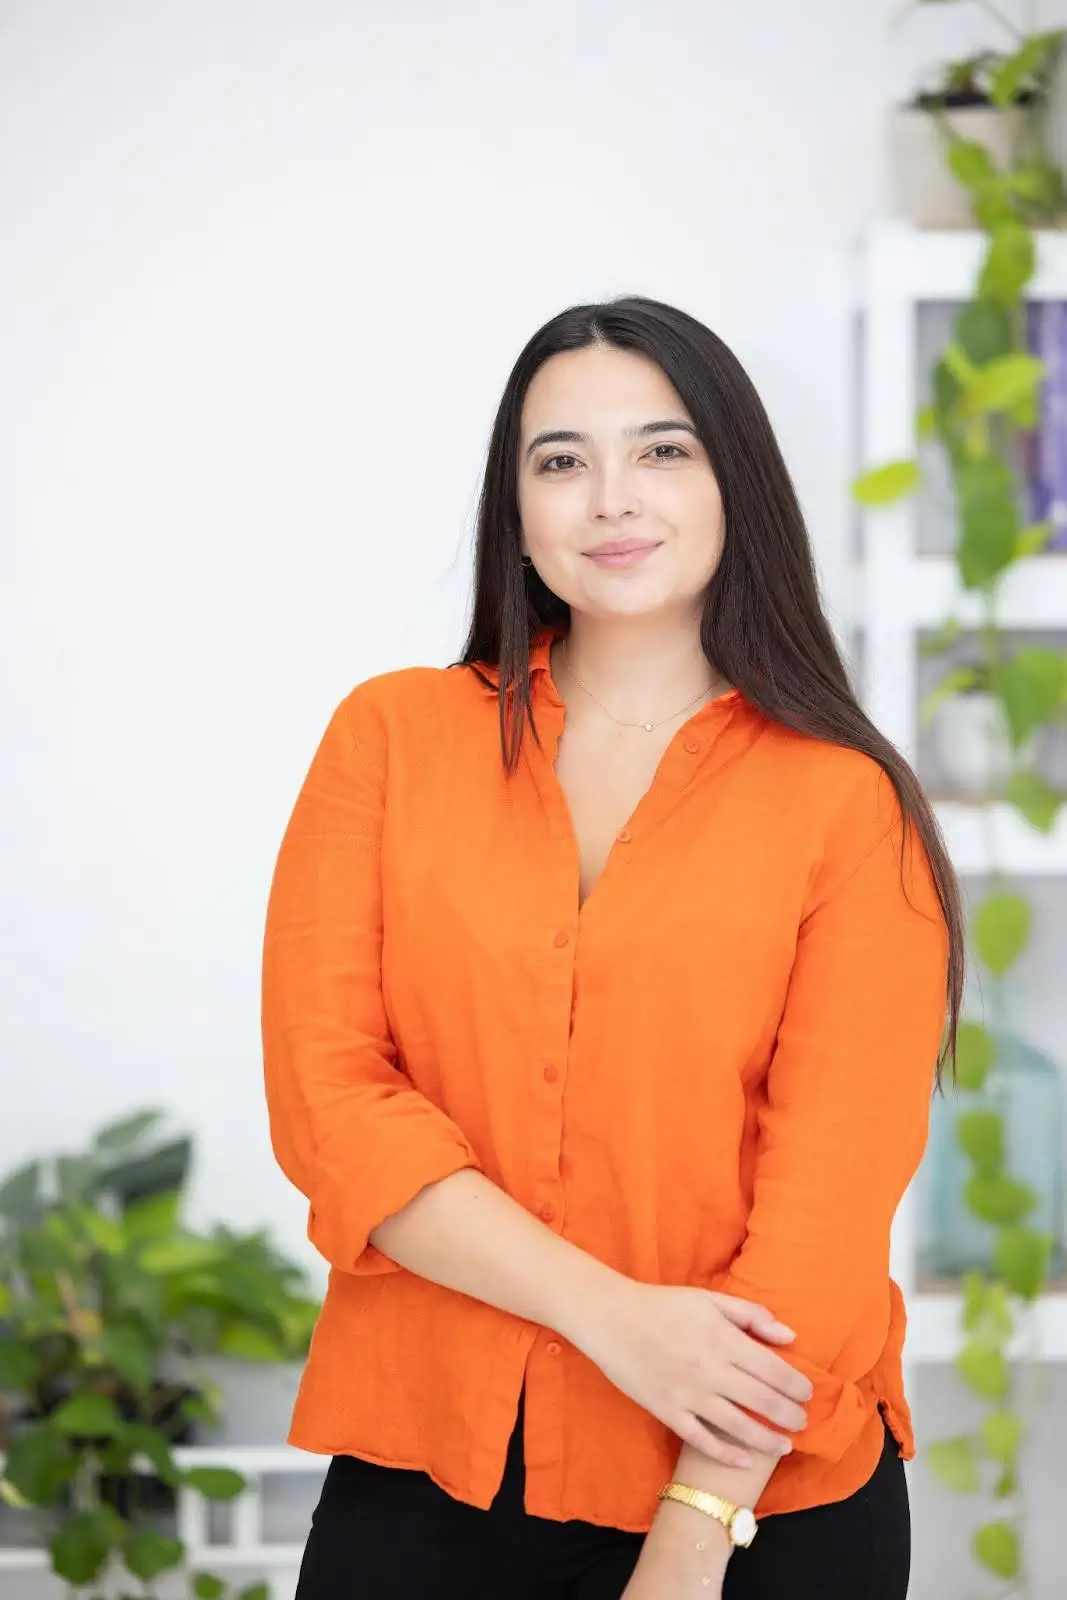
(639, 674)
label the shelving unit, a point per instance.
(899, 593)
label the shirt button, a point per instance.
(554, 1348)
(624, 835)
(561, 939)
(691, 747)
(551, 1074)
(546, 1212)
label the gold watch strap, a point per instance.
(738, 1521)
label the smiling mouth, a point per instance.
(621, 558)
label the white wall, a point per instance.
(265, 269)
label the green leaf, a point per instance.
(182, 1253)
(996, 1198)
(1006, 1484)
(255, 1591)
(1009, 264)
(959, 364)
(1032, 685)
(953, 1461)
(958, 681)
(1002, 1433)
(926, 422)
(1035, 798)
(10, 1496)
(1032, 539)
(207, 1587)
(1003, 383)
(39, 1464)
(104, 1232)
(975, 1053)
(81, 1548)
(139, 1438)
(1021, 1256)
(214, 1483)
(986, 1310)
(198, 1408)
(996, 1546)
(1001, 928)
(984, 1369)
(989, 520)
(980, 1135)
(153, 1218)
(127, 1352)
(970, 163)
(120, 1136)
(87, 1416)
(148, 1553)
(985, 331)
(1020, 69)
(941, 639)
(74, 1175)
(881, 486)
(20, 1194)
(246, 1342)
(18, 1366)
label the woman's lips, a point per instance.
(622, 558)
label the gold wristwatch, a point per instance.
(739, 1522)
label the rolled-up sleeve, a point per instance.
(347, 1126)
(843, 1116)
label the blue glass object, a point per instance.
(1027, 1088)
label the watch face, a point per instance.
(743, 1527)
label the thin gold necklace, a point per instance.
(648, 726)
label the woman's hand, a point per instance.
(693, 1358)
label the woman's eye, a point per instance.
(547, 466)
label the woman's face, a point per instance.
(615, 484)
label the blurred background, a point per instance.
(265, 270)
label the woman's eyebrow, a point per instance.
(569, 436)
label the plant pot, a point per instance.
(924, 190)
(973, 745)
(257, 1400)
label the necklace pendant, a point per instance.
(648, 727)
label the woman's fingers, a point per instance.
(747, 1432)
(757, 1396)
(757, 1319)
(769, 1369)
(693, 1431)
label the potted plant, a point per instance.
(106, 1303)
(984, 396)
(972, 733)
(994, 109)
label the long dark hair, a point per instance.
(762, 627)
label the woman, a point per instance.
(605, 976)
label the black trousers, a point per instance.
(388, 1533)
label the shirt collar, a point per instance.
(540, 660)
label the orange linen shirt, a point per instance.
(717, 1072)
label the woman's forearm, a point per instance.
(467, 1234)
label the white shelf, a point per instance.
(896, 593)
(1032, 595)
(934, 1333)
(927, 265)
(1017, 848)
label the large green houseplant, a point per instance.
(984, 395)
(107, 1304)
